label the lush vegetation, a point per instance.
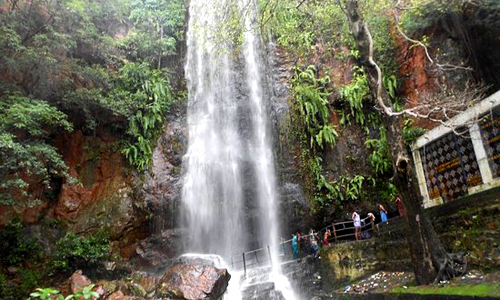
(35, 263)
(73, 251)
(311, 95)
(324, 36)
(77, 65)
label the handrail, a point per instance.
(280, 245)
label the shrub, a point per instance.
(73, 251)
(17, 248)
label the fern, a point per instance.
(379, 158)
(312, 95)
(144, 126)
(354, 93)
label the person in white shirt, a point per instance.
(357, 225)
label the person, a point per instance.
(400, 206)
(302, 243)
(357, 225)
(319, 239)
(383, 212)
(314, 243)
(371, 216)
(295, 246)
(326, 237)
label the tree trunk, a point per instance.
(160, 54)
(429, 258)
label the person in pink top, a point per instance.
(326, 237)
(400, 206)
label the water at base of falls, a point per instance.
(229, 185)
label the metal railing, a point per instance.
(341, 232)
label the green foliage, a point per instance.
(303, 27)
(158, 28)
(343, 189)
(25, 124)
(390, 84)
(29, 280)
(16, 247)
(411, 133)
(355, 93)
(424, 14)
(152, 94)
(45, 294)
(311, 95)
(378, 18)
(86, 293)
(6, 290)
(73, 58)
(379, 159)
(299, 28)
(488, 289)
(75, 251)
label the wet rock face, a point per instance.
(155, 252)
(191, 280)
(162, 187)
(293, 206)
(262, 291)
(106, 195)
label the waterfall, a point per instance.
(229, 190)
(229, 165)
(212, 188)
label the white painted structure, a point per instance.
(488, 177)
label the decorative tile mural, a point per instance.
(450, 167)
(491, 140)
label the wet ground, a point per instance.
(383, 282)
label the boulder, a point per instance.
(192, 280)
(118, 295)
(148, 282)
(137, 290)
(79, 281)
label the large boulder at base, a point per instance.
(79, 281)
(192, 280)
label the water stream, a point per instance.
(229, 190)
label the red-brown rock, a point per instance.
(79, 281)
(192, 281)
(149, 282)
(118, 295)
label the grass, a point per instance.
(484, 289)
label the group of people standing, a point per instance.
(383, 216)
(310, 243)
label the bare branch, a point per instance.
(421, 44)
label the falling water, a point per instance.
(229, 144)
(212, 190)
(229, 191)
(261, 144)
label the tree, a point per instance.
(430, 259)
(161, 23)
(25, 156)
(321, 27)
